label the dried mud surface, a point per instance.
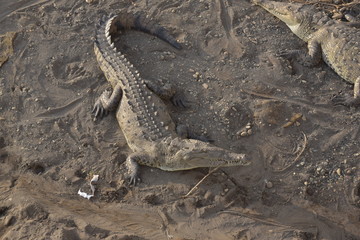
(303, 182)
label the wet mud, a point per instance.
(304, 180)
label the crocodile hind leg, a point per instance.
(348, 100)
(108, 101)
(166, 92)
(132, 165)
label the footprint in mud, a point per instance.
(33, 211)
(3, 211)
(70, 74)
(355, 194)
(36, 168)
(95, 231)
(164, 5)
(282, 152)
(66, 233)
(8, 219)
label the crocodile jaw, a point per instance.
(189, 153)
(298, 17)
(289, 13)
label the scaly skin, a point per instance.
(148, 128)
(338, 43)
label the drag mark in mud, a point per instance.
(60, 111)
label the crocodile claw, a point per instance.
(134, 180)
(99, 111)
(346, 100)
(179, 101)
(299, 56)
(288, 54)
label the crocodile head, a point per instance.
(303, 20)
(185, 154)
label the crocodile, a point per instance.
(149, 130)
(336, 42)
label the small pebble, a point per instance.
(348, 171)
(337, 16)
(196, 75)
(205, 85)
(9, 220)
(269, 184)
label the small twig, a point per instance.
(259, 219)
(296, 158)
(268, 222)
(196, 185)
(275, 98)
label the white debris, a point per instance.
(84, 194)
(94, 179)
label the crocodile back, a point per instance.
(142, 115)
(340, 45)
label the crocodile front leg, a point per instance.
(309, 59)
(166, 92)
(314, 53)
(348, 100)
(183, 132)
(108, 101)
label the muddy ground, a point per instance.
(303, 182)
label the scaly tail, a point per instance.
(143, 24)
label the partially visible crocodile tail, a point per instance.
(143, 24)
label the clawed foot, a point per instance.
(179, 101)
(134, 179)
(99, 111)
(346, 100)
(201, 138)
(288, 54)
(355, 195)
(298, 55)
(133, 168)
